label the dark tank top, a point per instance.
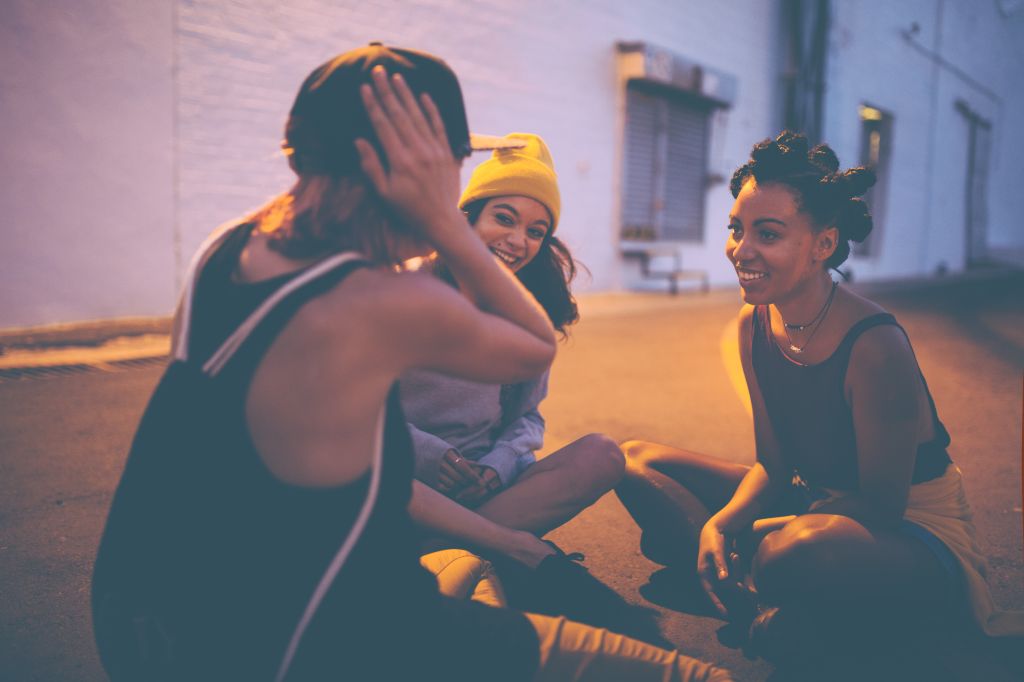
(214, 561)
(812, 421)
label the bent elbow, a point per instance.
(539, 360)
(548, 353)
(531, 362)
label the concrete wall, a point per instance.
(86, 105)
(958, 51)
(544, 66)
(123, 169)
(141, 126)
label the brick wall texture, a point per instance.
(142, 126)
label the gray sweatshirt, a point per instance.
(494, 425)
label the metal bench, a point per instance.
(658, 253)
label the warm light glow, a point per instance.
(875, 144)
(414, 263)
(729, 349)
(870, 113)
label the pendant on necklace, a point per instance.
(795, 349)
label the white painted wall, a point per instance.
(141, 126)
(543, 66)
(874, 60)
(86, 108)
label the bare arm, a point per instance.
(759, 487)
(435, 512)
(748, 502)
(767, 477)
(885, 394)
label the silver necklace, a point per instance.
(801, 327)
(820, 317)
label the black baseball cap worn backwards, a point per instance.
(328, 114)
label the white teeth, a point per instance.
(508, 259)
(750, 276)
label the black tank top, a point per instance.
(807, 407)
(210, 562)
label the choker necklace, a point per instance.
(820, 317)
(801, 327)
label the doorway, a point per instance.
(979, 143)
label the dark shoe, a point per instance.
(551, 588)
(562, 586)
(781, 635)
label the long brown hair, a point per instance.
(547, 276)
(324, 214)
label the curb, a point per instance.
(104, 345)
(143, 341)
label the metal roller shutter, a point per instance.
(665, 168)
(685, 175)
(641, 174)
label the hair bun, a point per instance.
(827, 195)
(768, 152)
(854, 220)
(856, 181)
(792, 142)
(822, 155)
(786, 153)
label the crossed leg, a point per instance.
(829, 567)
(839, 587)
(671, 493)
(559, 486)
(828, 559)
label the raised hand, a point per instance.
(421, 181)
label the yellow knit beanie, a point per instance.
(528, 171)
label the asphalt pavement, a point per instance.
(638, 366)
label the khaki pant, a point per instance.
(569, 650)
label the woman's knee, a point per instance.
(599, 459)
(802, 550)
(638, 456)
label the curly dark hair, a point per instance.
(826, 194)
(547, 276)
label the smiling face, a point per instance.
(514, 227)
(773, 245)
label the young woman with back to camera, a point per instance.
(261, 528)
(853, 511)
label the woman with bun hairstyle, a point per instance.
(853, 507)
(474, 441)
(261, 529)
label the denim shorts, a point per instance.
(949, 563)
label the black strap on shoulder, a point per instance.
(869, 322)
(942, 438)
(258, 332)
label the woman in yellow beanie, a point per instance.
(526, 182)
(476, 442)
